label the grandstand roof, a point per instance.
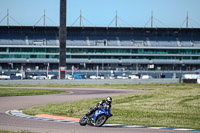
(101, 28)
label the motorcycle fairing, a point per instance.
(97, 113)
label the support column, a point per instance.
(62, 39)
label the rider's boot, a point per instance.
(88, 114)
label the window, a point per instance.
(2, 49)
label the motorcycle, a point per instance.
(97, 119)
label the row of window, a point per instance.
(97, 57)
(29, 56)
(28, 50)
(103, 51)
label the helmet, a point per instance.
(109, 100)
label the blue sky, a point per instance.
(167, 13)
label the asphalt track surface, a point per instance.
(8, 122)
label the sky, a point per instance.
(134, 13)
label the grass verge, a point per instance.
(166, 105)
(27, 92)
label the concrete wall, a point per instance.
(90, 81)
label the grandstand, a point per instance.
(106, 47)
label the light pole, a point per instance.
(62, 39)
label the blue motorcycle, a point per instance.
(97, 119)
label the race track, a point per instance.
(8, 122)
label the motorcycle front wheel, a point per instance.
(83, 120)
(100, 120)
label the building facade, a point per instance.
(109, 48)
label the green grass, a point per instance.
(166, 105)
(27, 92)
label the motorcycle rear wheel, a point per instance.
(100, 120)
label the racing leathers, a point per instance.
(100, 105)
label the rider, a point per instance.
(104, 103)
